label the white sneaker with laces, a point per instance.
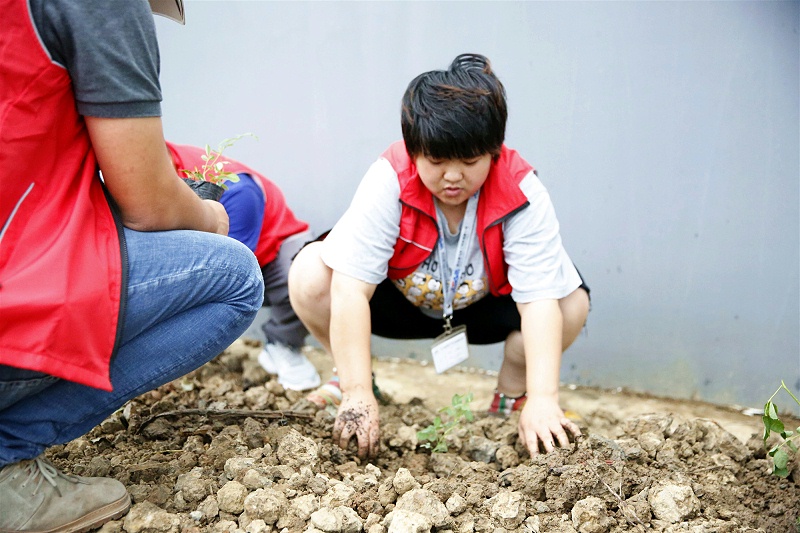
(294, 370)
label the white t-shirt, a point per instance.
(361, 244)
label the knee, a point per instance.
(309, 279)
(251, 287)
(575, 308)
(513, 350)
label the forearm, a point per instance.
(139, 174)
(350, 332)
(542, 325)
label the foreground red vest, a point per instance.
(500, 198)
(60, 261)
(279, 221)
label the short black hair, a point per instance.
(458, 113)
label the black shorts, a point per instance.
(489, 320)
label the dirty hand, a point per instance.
(358, 416)
(543, 421)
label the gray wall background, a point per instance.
(666, 132)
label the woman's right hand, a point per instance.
(358, 416)
(220, 215)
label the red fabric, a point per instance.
(60, 261)
(500, 197)
(279, 221)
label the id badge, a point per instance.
(450, 348)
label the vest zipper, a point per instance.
(483, 241)
(123, 250)
(418, 245)
(14, 211)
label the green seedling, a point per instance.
(213, 169)
(773, 424)
(452, 417)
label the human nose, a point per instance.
(452, 174)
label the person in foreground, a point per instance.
(448, 228)
(115, 278)
(261, 219)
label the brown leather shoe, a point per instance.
(36, 497)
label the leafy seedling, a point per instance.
(773, 424)
(213, 168)
(452, 417)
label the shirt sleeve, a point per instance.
(110, 50)
(244, 203)
(361, 243)
(539, 267)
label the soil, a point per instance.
(226, 448)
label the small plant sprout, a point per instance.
(773, 424)
(213, 168)
(452, 417)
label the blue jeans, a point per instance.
(190, 295)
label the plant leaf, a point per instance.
(771, 410)
(774, 425)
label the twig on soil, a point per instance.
(623, 504)
(231, 413)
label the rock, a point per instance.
(533, 524)
(318, 484)
(651, 442)
(589, 515)
(507, 509)
(296, 451)
(225, 526)
(373, 470)
(637, 508)
(304, 506)
(255, 479)
(426, 503)
(372, 520)
(235, 467)
(456, 504)
(230, 497)
(258, 526)
(339, 519)
(673, 503)
(481, 449)
(98, 467)
(402, 436)
(716, 438)
(405, 521)
(403, 481)
(446, 464)
(209, 508)
(193, 485)
(266, 504)
(465, 523)
(529, 480)
(386, 493)
(115, 526)
(507, 457)
(145, 517)
(337, 494)
(649, 423)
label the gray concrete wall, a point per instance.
(666, 133)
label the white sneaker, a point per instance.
(294, 370)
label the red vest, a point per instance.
(500, 198)
(279, 221)
(60, 261)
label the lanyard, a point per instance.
(451, 278)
